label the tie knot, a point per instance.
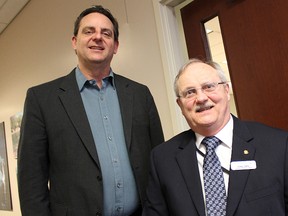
(211, 142)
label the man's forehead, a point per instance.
(199, 66)
(200, 69)
(96, 18)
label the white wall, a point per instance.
(36, 48)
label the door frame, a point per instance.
(173, 51)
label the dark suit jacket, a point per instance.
(175, 186)
(56, 144)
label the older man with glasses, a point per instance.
(221, 165)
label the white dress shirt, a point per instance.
(223, 151)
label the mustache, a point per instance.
(203, 107)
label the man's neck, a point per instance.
(211, 130)
(95, 72)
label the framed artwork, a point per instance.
(5, 192)
(15, 121)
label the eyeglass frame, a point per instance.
(206, 91)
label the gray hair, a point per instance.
(214, 65)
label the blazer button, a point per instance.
(99, 178)
(98, 214)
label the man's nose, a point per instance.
(200, 95)
(97, 36)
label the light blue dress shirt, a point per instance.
(103, 112)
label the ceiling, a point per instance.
(9, 10)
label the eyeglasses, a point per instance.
(206, 89)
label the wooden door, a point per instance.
(255, 38)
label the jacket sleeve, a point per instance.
(33, 171)
(156, 131)
(155, 204)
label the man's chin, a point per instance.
(206, 121)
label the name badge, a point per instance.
(243, 165)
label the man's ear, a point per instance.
(178, 101)
(116, 46)
(227, 89)
(74, 42)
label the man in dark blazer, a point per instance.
(86, 137)
(253, 156)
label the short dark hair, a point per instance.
(101, 10)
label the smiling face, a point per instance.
(207, 113)
(94, 43)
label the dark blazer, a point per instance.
(57, 145)
(175, 186)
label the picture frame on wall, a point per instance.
(15, 122)
(5, 192)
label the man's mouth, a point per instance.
(203, 108)
(96, 48)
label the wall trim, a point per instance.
(172, 54)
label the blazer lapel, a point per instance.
(125, 98)
(242, 150)
(72, 103)
(188, 165)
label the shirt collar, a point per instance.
(225, 135)
(81, 79)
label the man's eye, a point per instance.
(107, 33)
(208, 86)
(190, 91)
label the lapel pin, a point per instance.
(246, 152)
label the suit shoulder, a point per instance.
(263, 128)
(264, 134)
(127, 81)
(46, 86)
(175, 142)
